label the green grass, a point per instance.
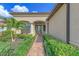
(5, 40)
(4, 46)
(55, 47)
(21, 48)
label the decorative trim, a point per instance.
(30, 14)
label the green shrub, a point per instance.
(24, 46)
(58, 48)
(24, 36)
(4, 48)
(6, 36)
(21, 49)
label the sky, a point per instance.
(5, 8)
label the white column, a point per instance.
(32, 29)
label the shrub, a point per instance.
(24, 36)
(4, 48)
(6, 36)
(56, 47)
(24, 46)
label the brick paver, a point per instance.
(37, 47)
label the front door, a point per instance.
(39, 29)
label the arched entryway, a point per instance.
(40, 27)
(27, 27)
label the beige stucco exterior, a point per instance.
(32, 18)
(74, 23)
(1, 22)
(57, 24)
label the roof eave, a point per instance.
(55, 10)
(16, 13)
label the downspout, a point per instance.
(68, 23)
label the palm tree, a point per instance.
(13, 24)
(2, 25)
(20, 25)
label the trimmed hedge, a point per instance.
(24, 36)
(55, 47)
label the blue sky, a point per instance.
(6, 8)
(36, 7)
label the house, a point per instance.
(1, 25)
(63, 23)
(35, 22)
(1, 21)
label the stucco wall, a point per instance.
(57, 24)
(74, 24)
(31, 19)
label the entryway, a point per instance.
(39, 27)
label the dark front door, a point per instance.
(39, 28)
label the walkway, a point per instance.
(37, 48)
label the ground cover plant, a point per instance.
(18, 48)
(25, 45)
(5, 42)
(55, 47)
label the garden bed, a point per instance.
(24, 46)
(55, 47)
(18, 48)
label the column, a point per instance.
(42, 29)
(32, 29)
(47, 27)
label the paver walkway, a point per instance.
(37, 48)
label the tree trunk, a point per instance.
(13, 40)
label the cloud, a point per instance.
(1, 7)
(34, 11)
(18, 8)
(4, 12)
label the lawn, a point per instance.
(18, 48)
(55, 47)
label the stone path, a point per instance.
(37, 47)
